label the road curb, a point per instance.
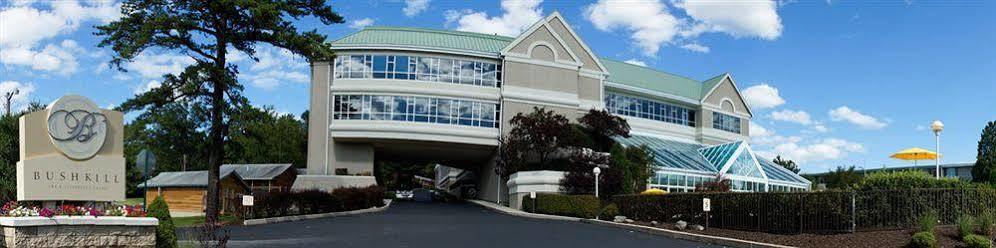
(514, 212)
(271, 220)
(686, 236)
(724, 241)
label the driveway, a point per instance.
(411, 224)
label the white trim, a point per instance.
(584, 46)
(418, 88)
(418, 49)
(328, 116)
(727, 99)
(418, 131)
(719, 109)
(562, 43)
(651, 93)
(538, 96)
(727, 76)
(540, 63)
(543, 22)
(77, 221)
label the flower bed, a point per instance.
(22, 209)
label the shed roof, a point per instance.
(186, 178)
(258, 171)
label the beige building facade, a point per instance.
(447, 96)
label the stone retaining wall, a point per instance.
(77, 232)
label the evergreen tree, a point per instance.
(984, 169)
(166, 231)
(207, 31)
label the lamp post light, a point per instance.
(8, 96)
(597, 171)
(937, 126)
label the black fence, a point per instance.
(810, 212)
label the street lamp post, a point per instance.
(937, 126)
(8, 96)
(596, 171)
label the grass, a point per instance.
(133, 201)
(194, 221)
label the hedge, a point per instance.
(583, 206)
(284, 203)
(909, 179)
(812, 212)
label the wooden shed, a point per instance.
(265, 177)
(186, 191)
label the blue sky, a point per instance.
(831, 82)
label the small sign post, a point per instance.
(532, 195)
(247, 200)
(706, 207)
(146, 162)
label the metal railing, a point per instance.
(812, 212)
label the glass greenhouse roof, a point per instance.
(711, 159)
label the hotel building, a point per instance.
(446, 96)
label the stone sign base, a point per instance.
(78, 231)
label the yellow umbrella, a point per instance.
(915, 154)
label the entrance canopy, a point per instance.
(680, 166)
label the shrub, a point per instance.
(966, 225)
(986, 221)
(280, 203)
(928, 221)
(583, 206)
(923, 240)
(977, 241)
(165, 232)
(608, 211)
(908, 179)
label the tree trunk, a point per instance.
(216, 155)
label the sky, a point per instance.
(831, 83)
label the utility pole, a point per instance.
(7, 96)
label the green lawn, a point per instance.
(199, 220)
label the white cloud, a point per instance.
(361, 23)
(636, 62)
(695, 48)
(20, 101)
(820, 128)
(758, 18)
(147, 87)
(517, 16)
(150, 65)
(276, 66)
(58, 58)
(649, 22)
(758, 131)
(843, 113)
(800, 116)
(763, 96)
(820, 150)
(414, 7)
(23, 28)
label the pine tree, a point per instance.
(984, 169)
(788, 164)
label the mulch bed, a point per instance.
(947, 236)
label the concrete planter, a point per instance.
(78, 231)
(522, 183)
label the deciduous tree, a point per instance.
(787, 163)
(207, 31)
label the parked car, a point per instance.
(404, 195)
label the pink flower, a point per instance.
(44, 212)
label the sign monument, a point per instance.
(72, 151)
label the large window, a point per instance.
(419, 68)
(649, 109)
(725, 122)
(415, 109)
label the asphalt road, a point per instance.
(410, 224)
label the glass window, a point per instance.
(414, 109)
(418, 68)
(725, 122)
(648, 109)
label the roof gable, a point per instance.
(565, 38)
(710, 86)
(258, 171)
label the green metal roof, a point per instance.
(650, 79)
(711, 83)
(427, 38)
